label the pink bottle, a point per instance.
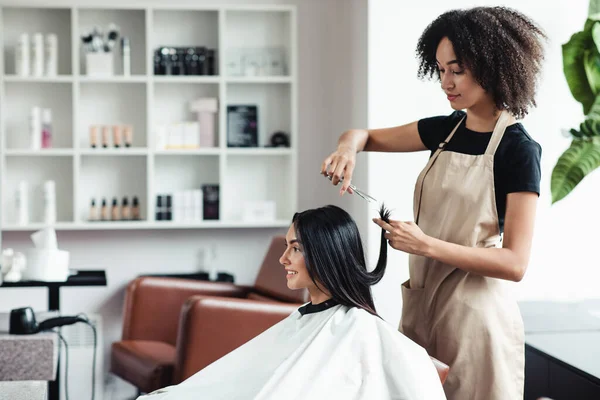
(47, 129)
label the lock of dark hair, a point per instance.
(334, 255)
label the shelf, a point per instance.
(113, 79)
(189, 152)
(50, 79)
(276, 151)
(140, 225)
(185, 79)
(247, 177)
(259, 79)
(131, 151)
(35, 153)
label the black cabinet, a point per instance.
(546, 376)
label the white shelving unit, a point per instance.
(145, 100)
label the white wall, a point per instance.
(332, 60)
(564, 264)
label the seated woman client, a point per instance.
(336, 346)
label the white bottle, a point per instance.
(49, 202)
(126, 53)
(22, 56)
(38, 54)
(35, 128)
(51, 54)
(22, 204)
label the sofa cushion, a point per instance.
(148, 365)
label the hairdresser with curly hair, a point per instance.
(474, 202)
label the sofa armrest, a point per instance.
(211, 327)
(153, 304)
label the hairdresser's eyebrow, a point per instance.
(449, 62)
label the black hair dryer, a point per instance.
(22, 322)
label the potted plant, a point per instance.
(581, 64)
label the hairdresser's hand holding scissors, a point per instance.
(405, 236)
(340, 164)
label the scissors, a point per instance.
(358, 192)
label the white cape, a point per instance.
(339, 353)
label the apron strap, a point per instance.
(498, 133)
(430, 163)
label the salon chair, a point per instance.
(145, 355)
(233, 323)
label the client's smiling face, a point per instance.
(293, 261)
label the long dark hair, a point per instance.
(334, 255)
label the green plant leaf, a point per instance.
(581, 158)
(574, 67)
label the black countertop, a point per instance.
(568, 332)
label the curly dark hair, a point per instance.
(501, 47)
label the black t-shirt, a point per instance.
(516, 161)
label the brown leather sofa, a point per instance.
(233, 323)
(176, 327)
(145, 355)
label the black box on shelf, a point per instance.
(164, 210)
(190, 60)
(210, 203)
(242, 126)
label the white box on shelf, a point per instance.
(206, 109)
(259, 211)
(100, 64)
(161, 136)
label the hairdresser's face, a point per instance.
(461, 88)
(293, 261)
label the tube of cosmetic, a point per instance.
(128, 134)
(105, 136)
(93, 136)
(135, 209)
(51, 54)
(125, 212)
(93, 211)
(126, 53)
(114, 211)
(38, 54)
(104, 210)
(117, 135)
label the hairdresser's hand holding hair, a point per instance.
(405, 236)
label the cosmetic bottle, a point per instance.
(114, 210)
(93, 136)
(126, 53)
(38, 54)
(117, 136)
(105, 136)
(104, 211)
(135, 209)
(35, 128)
(128, 134)
(49, 202)
(93, 211)
(125, 212)
(22, 204)
(51, 54)
(159, 207)
(22, 56)
(46, 128)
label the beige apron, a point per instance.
(470, 322)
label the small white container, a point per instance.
(22, 204)
(23, 56)
(49, 202)
(38, 55)
(100, 64)
(51, 54)
(48, 265)
(35, 128)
